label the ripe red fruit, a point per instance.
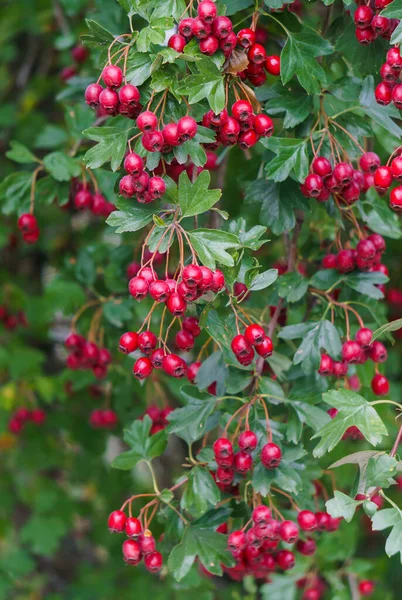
(147, 121)
(365, 36)
(176, 305)
(254, 334)
(289, 531)
(192, 275)
(159, 291)
(366, 249)
(394, 58)
(363, 16)
(242, 110)
(346, 261)
(322, 520)
(153, 562)
(363, 337)
(273, 65)
(313, 185)
(380, 385)
(148, 274)
(321, 166)
(378, 352)
(247, 139)
(192, 371)
(261, 515)
(330, 261)
(209, 45)
(263, 125)
(184, 340)
(369, 162)
(218, 281)
(133, 164)
(246, 38)
(142, 368)
(383, 93)
(131, 552)
(152, 141)
(257, 54)
(366, 587)
(147, 341)
(326, 367)
(351, 352)
(397, 96)
(186, 27)
(230, 131)
(240, 346)
(395, 199)
(27, 223)
(247, 441)
(207, 11)
(92, 94)
(243, 462)
(343, 173)
(156, 358)
(191, 324)
(37, 416)
(112, 76)
(380, 25)
(170, 134)
(174, 365)
(147, 543)
(177, 42)
(133, 527)
(306, 547)
(307, 520)
(117, 521)
(340, 369)
(224, 475)
(378, 241)
(126, 187)
(221, 27)
(285, 559)
(271, 455)
(138, 287)
(200, 29)
(237, 540)
(222, 448)
(396, 167)
(266, 347)
(186, 128)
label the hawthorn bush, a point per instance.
(201, 292)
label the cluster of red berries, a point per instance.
(385, 175)
(369, 26)
(358, 351)
(125, 102)
(341, 180)
(389, 90)
(256, 550)
(172, 134)
(175, 169)
(25, 415)
(138, 183)
(230, 462)
(158, 417)
(243, 128)
(79, 55)
(83, 197)
(365, 257)
(12, 320)
(28, 226)
(87, 355)
(103, 418)
(213, 32)
(140, 545)
(254, 338)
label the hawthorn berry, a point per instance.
(131, 552)
(117, 521)
(159, 290)
(247, 441)
(174, 365)
(142, 368)
(307, 520)
(289, 531)
(153, 562)
(237, 540)
(271, 455)
(138, 287)
(285, 560)
(378, 352)
(380, 385)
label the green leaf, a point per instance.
(155, 33)
(380, 471)
(379, 216)
(195, 198)
(131, 216)
(61, 167)
(211, 246)
(263, 280)
(298, 58)
(297, 107)
(393, 10)
(380, 114)
(25, 361)
(143, 446)
(280, 587)
(43, 533)
(322, 336)
(342, 506)
(112, 144)
(201, 492)
(291, 155)
(116, 313)
(249, 238)
(14, 192)
(138, 67)
(292, 286)
(20, 153)
(209, 546)
(98, 36)
(390, 517)
(354, 410)
(391, 326)
(206, 82)
(365, 283)
(222, 330)
(190, 422)
(168, 8)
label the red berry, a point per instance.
(209, 45)
(240, 346)
(131, 552)
(380, 385)
(388, 74)
(192, 371)
(224, 475)
(153, 562)
(207, 11)
(323, 519)
(170, 134)
(289, 531)
(383, 93)
(147, 543)
(366, 249)
(330, 261)
(363, 337)
(394, 58)
(176, 305)
(112, 76)
(38, 416)
(254, 334)
(174, 365)
(395, 199)
(159, 291)
(192, 275)
(343, 173)
(346, 261)
(142, 368)
(242, 110)
(247, 441)
(313, 185)
(378, 242)
(147, 121)
(222, 448)
(126, 186)
(186, 128)
(138, 287)
(221, 27)
(271, 455)
(117, 521)
(237, 540)
(152, 141)
(380, 25)
(378, 352)
(147, 341)
(186, 27)
(230, 131)
(257, 54)
(243, 462)
(133, 527)
(92, 94)
(351, 352)
(326, 367)
(273, 65)
(133, 164)
(27, 223)
(306, 547)
(218, 281)
(200, 29)
(246, 38)
(261, 515)
(263, 125)
(369, 162)
(365, 36)
(156, 358)
(340, 369)
(366, 587)
(184, 340)
(177, 42)
(247, 139)
(191, 324)
(363, 16)
(285, 559)
(397, 96)
(266, 348)
(321, 166)
(307, 520)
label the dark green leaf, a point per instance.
(201, 492)
(131, 216)
(195, 198)
(190, 422)
(211, 246)
(20, 153)
(342, 506)
(292, 286)
(112, 145)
